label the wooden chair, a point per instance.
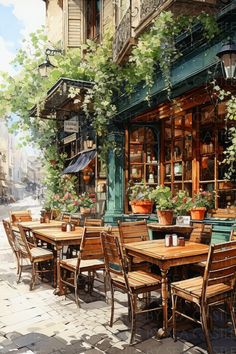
(216, 287)
(201, 233)
(93, 222)
(134, 231)
(75, 219)
(89, 259)
(233, 233)
(20, 215)
(65, 217)
(12, 242)
(131, 282)
(35, 255)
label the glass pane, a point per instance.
(136, 153)
(136, 173)
(207, 168)
(178, 169)
(207, 114)
(167, 152)
(167, 172)
(188, 171)
(188, 121)
(178, 150)
(206, 141)
(152, 174)
(137, 134)
(178, 127)
(188, 188)
(167, 133)
(150, 137)
(188, 146)
(226, 198)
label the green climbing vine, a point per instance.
(156, 49)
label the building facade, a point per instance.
(178, 144)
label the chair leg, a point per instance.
(76, 289)
(20, 269)
(32, 283)
(105, 285)
(203, 313)
(174, 304)
(232, 313)
(133, 303)
(112, 305)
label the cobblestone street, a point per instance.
(40, 322)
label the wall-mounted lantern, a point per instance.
(227, 56)
(45, 68)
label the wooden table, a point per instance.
(59, 239)
(180, 230)
(52, 234)
(155, 252)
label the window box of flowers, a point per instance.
(139, 198)
(86, 203)
(199, 203)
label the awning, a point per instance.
(80, 162)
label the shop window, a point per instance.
(143, 151)
(178, 152)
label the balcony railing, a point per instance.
(147, 7)
(122, 35)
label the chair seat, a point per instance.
(139, 279)
(84, 263)
(38, 252)
(193, 287)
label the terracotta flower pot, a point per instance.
(165, 217)
(85, 210)
(198, 213)
(141, 206)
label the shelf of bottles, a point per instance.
(178, 152)
(143, 155)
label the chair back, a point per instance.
(91, 246)
(10, 235)
(115, 263)
(65, 216)
(22, 243)
(220, 267)
(233, 233)
(75, 219)
(201, 233)
(133, 231)
(93, 222)
(20, 215)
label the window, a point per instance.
(178, 152)
(143, 153)
(93, 19)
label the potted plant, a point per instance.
(182, 203)
(165, 204)
(85, 203)
(200, 202)
(139, 198)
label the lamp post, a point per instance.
(227, 56)
(47, 66)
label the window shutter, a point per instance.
(74, 23)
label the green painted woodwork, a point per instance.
(115, 193)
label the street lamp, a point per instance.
(227, 56)
(47, 66)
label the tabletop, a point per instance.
(55, 233)
(156, 249)
(37, 224)
(156, 226)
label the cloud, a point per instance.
(7, 55)
(31, 13)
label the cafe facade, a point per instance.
(177, 141)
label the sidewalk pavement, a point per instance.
(40, 322)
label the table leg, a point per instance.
(58, 290)
(163, 332)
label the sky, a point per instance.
(18, 18)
